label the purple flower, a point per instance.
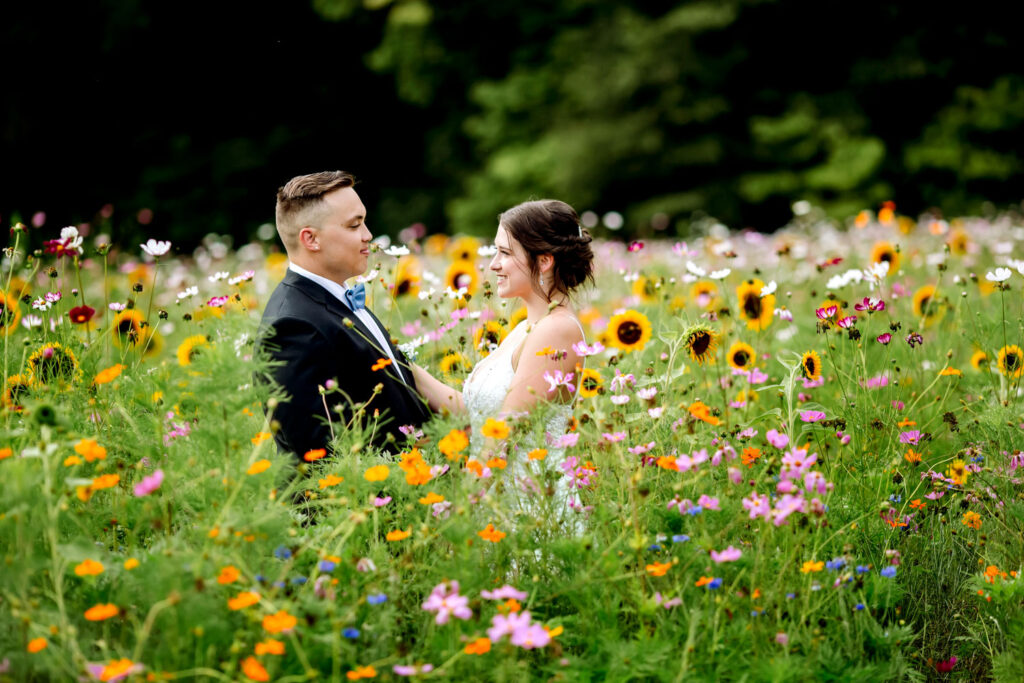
(446, 602)
(911, 437)
(888, 572)
(812, 415)
(149, 484)
(913, 339)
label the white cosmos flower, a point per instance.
(368, 277)
(998, 275)
(769, 288)
(720, 274)
(695, 269)
(487, 250)
(188, 292)
(396, 250)
(217, 277)
(156, 248)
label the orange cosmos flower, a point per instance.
(453, 443)
(37, 645)
(497, 463)
(398, 535)
(361, 672)
(703, 581)
(279, 622)
(116, 669)
(916, 504)
(381, 364)
(5, 453)
(314, 454)
(131, 563)
(811, 566)
(253, 670)
(228, 574)
(750, 455)
(658, 568)
(270, 647)
(90, 450)
(101, 612)
(108, 375)
(376, 473)
(331, 480)
(89, 568)
(494, 429)
(489, 533)
(537, 454)
(261, 437)
(259, 466)
(480, 646)
(700, 411)
(667, 462)
(243, 600)
(105, 481)
(972, 519)
(431, 498)
(912, 456)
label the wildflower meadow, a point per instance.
(794, 456)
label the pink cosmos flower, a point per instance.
(911, 437)
(620, 399)
(870, 304)
(566, 440)
(778, 440)
(735, 475)
(877, 382)
(411, 670)
(614, 437)
(647, 393)
(884, 338)
(826, 312)
(218, 301)
(708, 503)
(730, 554)
(581, 349)
(812, 415)
(530, 637)
(558, 379)
(506, 592)
(380, 502)
(446, 602)
(149, 484)
(506, 624)
(655, 413)
(757, 505)
(785, 506)
(640, 449)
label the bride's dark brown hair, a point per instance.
(548, 226)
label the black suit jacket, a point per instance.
(304, 330)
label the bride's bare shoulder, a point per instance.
(554, 329)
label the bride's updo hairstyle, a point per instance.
(548, 226)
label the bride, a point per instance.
(542, 256)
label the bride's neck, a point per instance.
(537, 308)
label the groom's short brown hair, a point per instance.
(300, 201)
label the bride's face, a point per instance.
(510, 266)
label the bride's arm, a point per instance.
(546, 351)
(439, 395)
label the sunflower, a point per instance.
(705, 293)
(979, 361)
(18, 287)
(700, 341)
(487, 337)
(407, 276)
(277, 266)
(757, 310)
(127, 329)
(153, 344)
(926, 306)
(590, 383)
(810, 365)
(1011, 361)
(463, 249)
(885, 251)
(52, 362)
(10, 314)
(190, 348)
(957, 472)
(747, 396)
(518, 316)
(629, 331)
(741, 356)
(645, 289)
(435, 244)
(15, 388)
(958, 242)
(460, 274)
(454, 365)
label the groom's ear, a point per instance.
(309, 238)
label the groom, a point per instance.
(317, 330)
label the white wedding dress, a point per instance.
(483, 394)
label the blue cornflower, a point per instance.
(695, 510)
(859, 606)
(279, 584)
(680, 538)
(889, 572)
(260, 578)
(282, 553)
(326, 566)
(895, 498)
(376, 598)
(835, 564)
(715, 583)
(299, 580)
(654, 547)
(863, 569)
(790, 596)
(350, 633)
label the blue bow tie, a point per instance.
(356, 297)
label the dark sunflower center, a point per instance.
(649, 288)
(924, 304)
(699, 343)
(16, 392)
(403, 287)
(741, 358)
(1012, 361)
(887, 257)
(752, 306)
(629, 333)
(591, 383)
(463, 280)
(5, 315)
(126, 326)
(810, 367)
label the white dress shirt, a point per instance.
(338, 291)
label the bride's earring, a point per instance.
(541, 280)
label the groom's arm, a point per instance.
(440, 397)
(302, 364)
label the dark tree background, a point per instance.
(451, 111)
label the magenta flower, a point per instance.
(870, 304)
(778, 440)
(848, 322)
(812, 415)
(884, 338)
(149, 484)
(218, 301)
(730, 554)
(446, 602)
(911, 437)
(506, 592)
(411, 670)
(826, 312)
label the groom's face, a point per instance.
(343, 237)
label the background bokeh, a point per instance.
(451, 111)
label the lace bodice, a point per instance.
(487, 386)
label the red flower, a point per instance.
(81, 314)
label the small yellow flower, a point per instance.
(972, 519)
(131, 563)
(537, 454)
(89, 568)
(811, 566)
(376, 473)
(261, 437)
(431, 498)
(494, 429)
(331, 480)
